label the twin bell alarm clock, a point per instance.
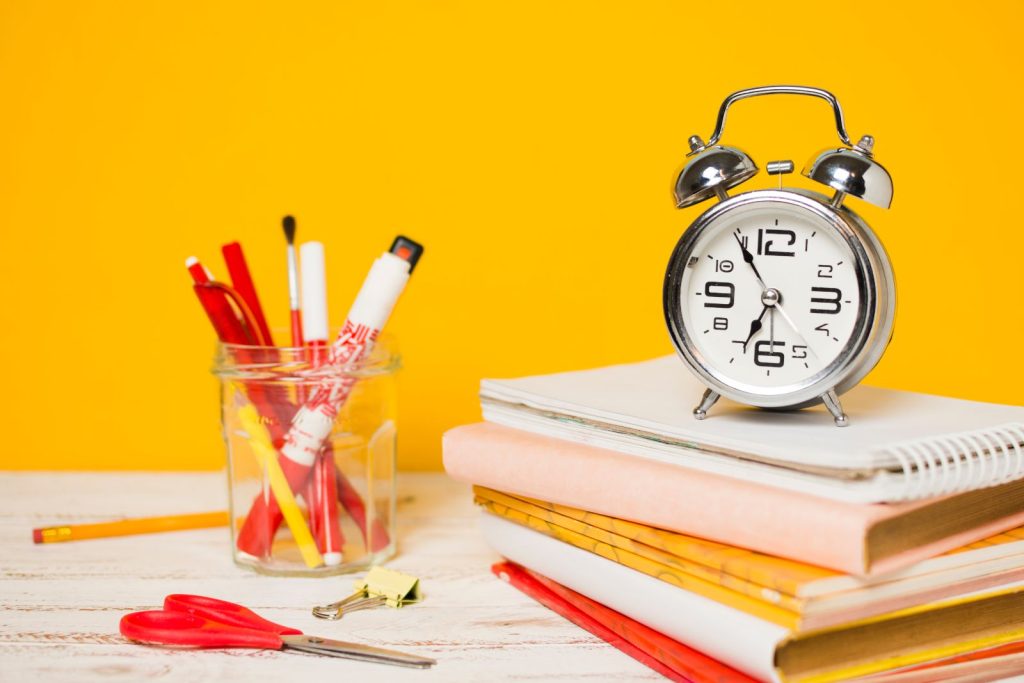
(780, 298)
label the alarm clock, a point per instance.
(780, 298)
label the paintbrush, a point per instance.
(288, 223)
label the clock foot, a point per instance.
(706, 401)
(831, 402)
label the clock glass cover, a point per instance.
(771, 296)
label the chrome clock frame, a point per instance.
(861, 352)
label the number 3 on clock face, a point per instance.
(772, 296)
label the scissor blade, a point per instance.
(357, 651)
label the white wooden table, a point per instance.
(60, 604)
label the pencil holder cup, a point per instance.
(311, 457)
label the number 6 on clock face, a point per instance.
(775, 298)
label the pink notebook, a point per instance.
(772, 520)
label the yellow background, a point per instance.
(530, 146)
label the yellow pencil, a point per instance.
(128, 527)
(266, 454)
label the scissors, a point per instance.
(200, 622)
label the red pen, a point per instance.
(230, 329)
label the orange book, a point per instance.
(798, 596)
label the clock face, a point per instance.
(770, 296)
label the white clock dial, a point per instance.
(769, 296)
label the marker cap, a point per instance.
(314, 292)
(407, 249)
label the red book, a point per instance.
(668, 657)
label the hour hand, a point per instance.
(748, 258)
(755, 326)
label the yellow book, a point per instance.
(666, 573)
(592, 537)
(799, 596)
(761, 576)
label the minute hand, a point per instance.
(796, 331)
(748, 258)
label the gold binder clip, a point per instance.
(380, 587)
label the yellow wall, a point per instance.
(530, 146)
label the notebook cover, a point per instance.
(668, 657)
(646, 409)
(770, 520)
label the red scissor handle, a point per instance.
(224, 612)
(181, 629)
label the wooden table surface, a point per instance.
(60, 604)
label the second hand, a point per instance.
(796, 331)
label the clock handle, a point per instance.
(777, 90)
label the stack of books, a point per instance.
(752, 544)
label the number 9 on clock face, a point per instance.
(774, 298)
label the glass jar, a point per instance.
(320, 514)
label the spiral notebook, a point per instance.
(899, 445)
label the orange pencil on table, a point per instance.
(129, 527)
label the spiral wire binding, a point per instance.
(963, 461)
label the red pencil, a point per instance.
(241, 280)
